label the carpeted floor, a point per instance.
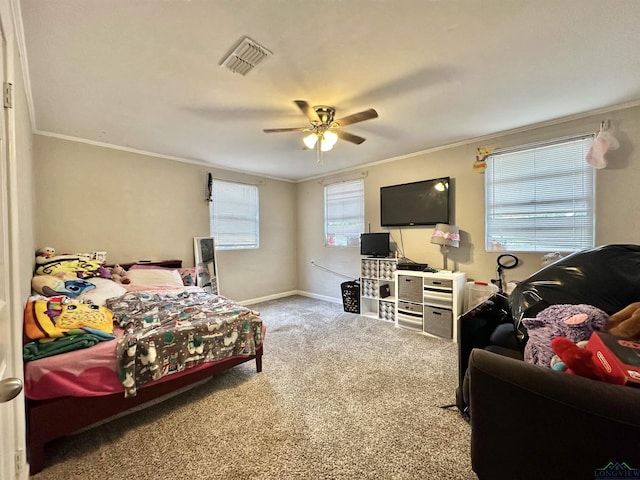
(340, 397)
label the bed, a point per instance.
(165, 338)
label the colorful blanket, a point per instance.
(77, 266)
(47, 347)
(60, 316)
(168, 332)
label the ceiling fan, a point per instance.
(324, 130)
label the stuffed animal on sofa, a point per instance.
(575, 322)
(119, 275)
(625, 323)
(577, 359)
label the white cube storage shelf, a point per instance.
(430, 303)
(376, 278)
(426, 302)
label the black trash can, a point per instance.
(351, 296)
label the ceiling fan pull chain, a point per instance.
(319, 150)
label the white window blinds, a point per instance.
(540, 198)
(233, 215)
(344, 213)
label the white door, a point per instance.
(9, 386)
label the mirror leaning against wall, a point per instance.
(205, 262)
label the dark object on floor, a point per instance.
(351, 296)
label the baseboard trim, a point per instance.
(319, 297)
(290, 293)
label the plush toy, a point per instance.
(119, 275)
(577, 359)
(625, 323)
(43, 253)
(575, 322)
(583, 361)
(557, 363)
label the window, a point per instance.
(344, 213)
(233, 215)
(540, 198)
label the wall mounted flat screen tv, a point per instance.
(418, 203)
(374, 244)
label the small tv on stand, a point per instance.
(374, 244)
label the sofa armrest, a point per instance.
(530, 422)
(476, 327)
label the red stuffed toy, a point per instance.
(578, 360)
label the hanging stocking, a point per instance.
(601, 145)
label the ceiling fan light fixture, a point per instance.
(329, 138)
(322, 138)
(310, 140)
(325, 147)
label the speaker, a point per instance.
(385, 291)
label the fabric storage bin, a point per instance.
(410, 288)
(438, 321)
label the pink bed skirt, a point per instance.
(89, 372)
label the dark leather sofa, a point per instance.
(530, 422)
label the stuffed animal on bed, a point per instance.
(119, 275)
(43, 253)
(575, 322)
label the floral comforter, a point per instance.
(168, 332)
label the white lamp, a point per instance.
(446, 236)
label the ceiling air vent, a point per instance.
(245, 56)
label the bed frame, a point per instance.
(45, 423)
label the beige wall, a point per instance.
(136, 207)
(616, 205)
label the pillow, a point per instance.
(60, 284)
(139, 266)
(105, 288)
(188, 276)
(155, 277)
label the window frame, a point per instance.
(251, 215)
(530, 201)
(350, 238)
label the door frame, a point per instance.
(9, 20)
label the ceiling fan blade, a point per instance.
(357, 117)
(308, 111)
(294, 129)
(349, 137)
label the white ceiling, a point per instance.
(145, 75)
